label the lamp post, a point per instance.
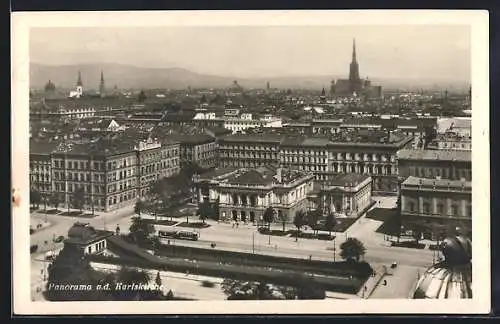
(334, 250)
(253, 242)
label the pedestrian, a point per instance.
(237, 224)
(233, 225)
(276, 247)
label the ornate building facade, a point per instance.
(112, 173)
(346, 195)
(244, 194)
(437, 164)
(324, 157)
(436, 205)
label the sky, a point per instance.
(405, 51)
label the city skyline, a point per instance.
(410, 52)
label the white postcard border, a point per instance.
(478, 20)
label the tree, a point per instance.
(78, 199)
(71, 266)
(330, 222)
(299, 220)
(130, 276)
(158, 279)
(352, 249)
(55, 200)
(268, 216)
(45, 200)
(283, 219)
(205, 210)
(249, 290)
(313, 217)
(417, 232)
(139, 206)
(140, 230)
(142, 96)
(35, 198)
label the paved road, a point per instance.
(246, 238)
(59, 225)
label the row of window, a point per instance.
(97, 247)
(454, 210)
(40, 177)
(446, 173)
(249, 156)
(123, 197)
(247, 147)
(41, 187)
(304, 160)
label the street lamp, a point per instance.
(253, 242)
(334, 249)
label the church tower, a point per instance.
(354, 80)
(102, 89)
(79, 85)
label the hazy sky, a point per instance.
(430, 52)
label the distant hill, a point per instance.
(126, 77)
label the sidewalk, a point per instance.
(399, 283)
(372, 282)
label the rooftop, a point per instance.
(214, 173)
(192, 139)
(259, 176)
(275, 139)
(41, 147)
(443, 183)
(347, 179)
(82, 234)
(434, 155)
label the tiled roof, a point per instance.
(254, 176)
(192, 139)
(347, 179)
(434, 155)
(305, 141)
(252, 138)
(83, 234)
(445, 123)
(217, 173)
(41, 147)
(414, 181)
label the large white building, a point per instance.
(244, 194)
(243, 121)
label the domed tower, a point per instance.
(451, 278)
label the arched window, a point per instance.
(253, 201)
(440, 208)
(427, 208)
(411, 206)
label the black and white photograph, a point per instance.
(250, 162)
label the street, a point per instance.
(244, 238)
